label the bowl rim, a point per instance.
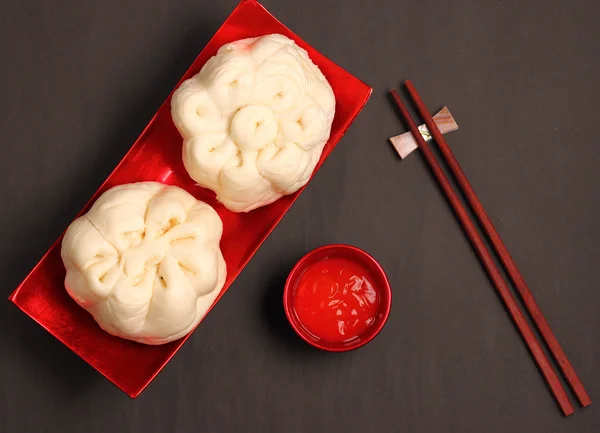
(293, 276)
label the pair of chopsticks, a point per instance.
(494, 274)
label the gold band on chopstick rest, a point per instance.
(405, 143)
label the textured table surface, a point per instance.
(80, 80)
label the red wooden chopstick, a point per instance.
(507, 261)
(489, 265)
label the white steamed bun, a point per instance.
(254, 120)
(145, 261)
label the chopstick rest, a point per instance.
(406, 143)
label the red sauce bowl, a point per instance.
(316, 262)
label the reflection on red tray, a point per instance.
(156, 155)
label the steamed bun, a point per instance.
(254, 121)
(145, 261)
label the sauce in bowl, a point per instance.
(335, 300)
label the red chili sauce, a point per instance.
(335, 300)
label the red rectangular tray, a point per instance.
(156, 155)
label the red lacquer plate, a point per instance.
(156, 155)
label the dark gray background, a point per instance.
(79, 80)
